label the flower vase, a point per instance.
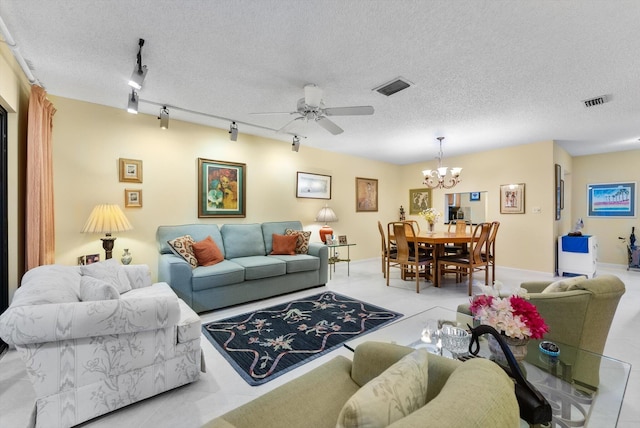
(518, 349)
(431, 227)
(126, 257)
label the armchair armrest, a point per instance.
(61, 321)
(535, 286)
(139, 275)
(372, 358)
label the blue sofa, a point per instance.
(247, 273)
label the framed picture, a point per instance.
(132, 198)
(419, 200)
(558, 179)
(313, 186)
(342, 239)
(366, 194)
(512, 198)
(221, 188)
(561, 194)
(329, 241)
(130, 170)
(611, 200)
(91, 258)
(474, 196)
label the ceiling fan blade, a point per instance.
(274, 112)
(349, 111)
(312, 95)
(329, 125)
(281, 130)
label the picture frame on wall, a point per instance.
(558, 196)
(366, 194)
(474, 196)
(419, 200)
(130, 170)
(561, 194)
(221, 188)
(512, 198)
(132, 198)
(612, 200)
(313, 186)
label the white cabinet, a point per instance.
(577, 255)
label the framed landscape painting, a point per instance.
(611, 200)
(221, 188)
(313, 186)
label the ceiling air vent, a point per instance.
(394, 86)
(596, 101)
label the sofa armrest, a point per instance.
(321, 251)
(139, 275)
(61, 321)
(535, 286)
(176, 272)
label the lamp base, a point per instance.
(324, 231)
(107, 244)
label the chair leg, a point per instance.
(470, 280)
(417, 279)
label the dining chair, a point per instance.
(385, 251)
(408, 255)
(489, 253)
(472, 261)
(461, 227)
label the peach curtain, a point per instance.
(40, 231)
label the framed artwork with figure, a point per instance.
(366, 194)
(512, 198)
(419, 200)
(221, 188)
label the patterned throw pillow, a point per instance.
(183, 246)
(109, 271)
(302, 245)
(569, 284)
(284, 244)
(397, 392)
(207, 252)
(92, 289)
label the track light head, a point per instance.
(295, 146)
(140, 71)
(233, 131)
(132, 104)
(164, 117)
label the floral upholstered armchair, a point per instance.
(99, 337)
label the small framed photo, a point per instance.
(611, 200)
(130, 170)
(329, 241)
(313, 186)
(474, 196)
(512, 198)
(132, 198)
(419, 200)
(92, 258)
(342, 239)
(82, 260)
(366, 194)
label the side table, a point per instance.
(334, 256)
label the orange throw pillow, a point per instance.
(284, 244)
(207, 252)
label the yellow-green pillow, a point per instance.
(394, 394)
(567, 284)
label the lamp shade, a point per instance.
(326, 215)
(106, 218)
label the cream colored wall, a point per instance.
(606, 168)
(525, 241)
(89, 139)
(14, 90)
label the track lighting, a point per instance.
(233, 131)
(132, 106)
(164, 117)
(140, 71)
(295, 146)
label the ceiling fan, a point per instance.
(311, 108)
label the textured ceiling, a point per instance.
(487, 74)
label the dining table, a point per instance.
(438, 240)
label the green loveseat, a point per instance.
(476, 393)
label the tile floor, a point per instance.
(221, 389)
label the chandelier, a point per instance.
(438, 178)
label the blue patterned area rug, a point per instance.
(267, 343)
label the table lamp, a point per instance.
(326, 215)
(107, 218)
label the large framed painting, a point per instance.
(221, 188)
(313, 186)
(611, 200)
(419, 200)
(366, 194)
(512, 198)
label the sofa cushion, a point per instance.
(279, 227)
(207, 252)
(394, 394)
(92, 289)
(48, 284)
(258, 267)
(567, 284)
(183, 246)
(284, 244)
(302, 244)
(299, 262)
(219, 275)
(197, 231)
(242, 240)
(109, 271)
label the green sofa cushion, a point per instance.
(218, 275)
(242, 240)
(258, 267)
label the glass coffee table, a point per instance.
(583, 388)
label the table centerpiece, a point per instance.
(432, 216)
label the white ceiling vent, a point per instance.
(396, 85)
(596, 101)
